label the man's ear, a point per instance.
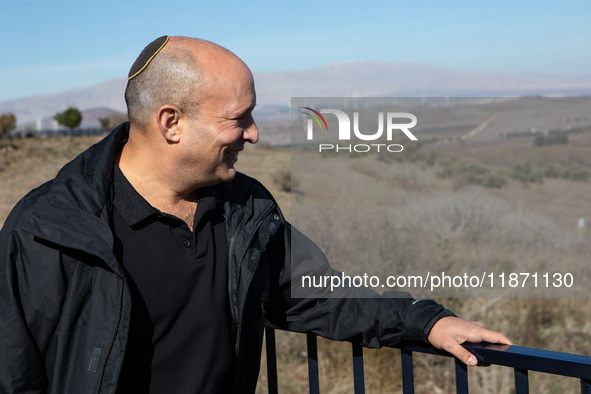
(168, 117)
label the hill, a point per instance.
(358, 78)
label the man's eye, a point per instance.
(243, 118)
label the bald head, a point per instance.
(183, 74)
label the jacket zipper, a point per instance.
(230, 247)
(249, 240)
(234, 296)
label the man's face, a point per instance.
(223, 125)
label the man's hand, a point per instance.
(450, 332)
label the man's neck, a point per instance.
(149, 178)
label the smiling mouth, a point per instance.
(233, 154)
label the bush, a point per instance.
(574, 172)
(470, 171)
(552, 138)
(577, 173)
(413, 154)
(527, 173)
(554, 170)
(494, 181)
(7, 123)
(479, 216)
(284, 181)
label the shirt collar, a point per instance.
(131, 205)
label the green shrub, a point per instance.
(470, 171)
(552, 138)
(284, 180)
(413, 154)
(527, 173)
(576, 173)
(554, 170)
(494, 181)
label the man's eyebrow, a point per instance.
(246, 110)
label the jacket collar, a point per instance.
(76, 210)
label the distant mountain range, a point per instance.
(357, 78)
(106, 96)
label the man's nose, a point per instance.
(251, 133)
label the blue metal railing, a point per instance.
(521, 359)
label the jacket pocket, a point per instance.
(88, 322)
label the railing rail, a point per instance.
(521, 359)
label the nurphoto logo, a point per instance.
(391, 122)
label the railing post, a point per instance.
(271, 361)
(461, 377)
(521, 359)
(585, 386)
(358, 377)
(521, 381)
(408, 384)
(313, 364)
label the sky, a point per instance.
(58, 45)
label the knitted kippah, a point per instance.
(146, 56)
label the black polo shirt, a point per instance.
(181, 333)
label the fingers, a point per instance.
(477, 333)
(462, 354)
(475, 323)
(453, 346)
(484, 335)
(449, 333)
(480, 334)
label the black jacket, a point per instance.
(65, 302)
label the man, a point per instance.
(149, 265)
